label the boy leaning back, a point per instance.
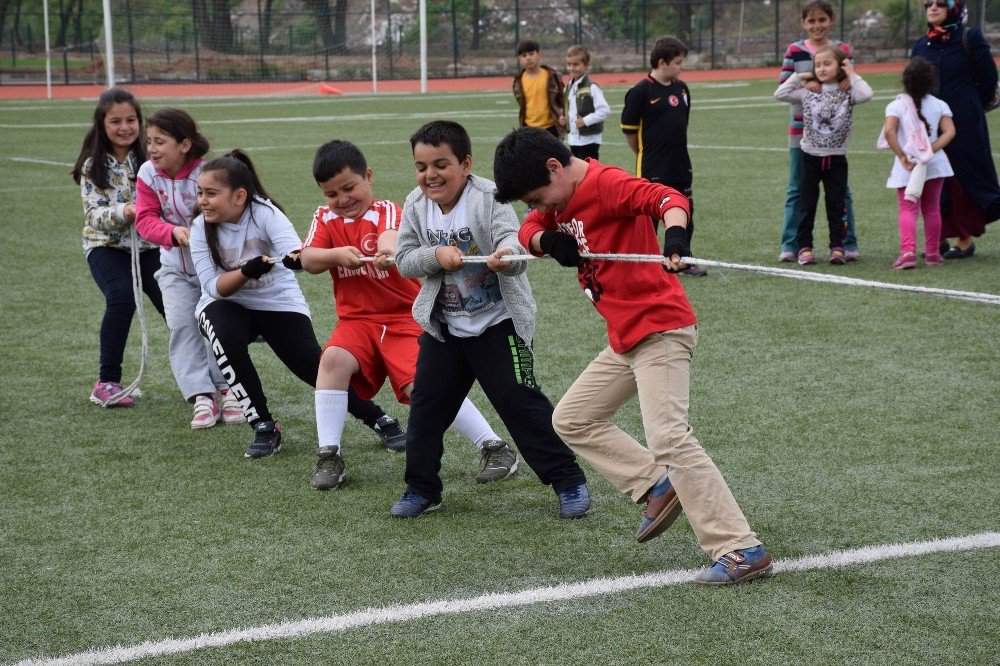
(478, 321)
(652, 332)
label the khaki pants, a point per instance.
(658, 369)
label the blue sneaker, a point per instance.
(662, 508)
(574, 502)
(738, 566)
(413, 504)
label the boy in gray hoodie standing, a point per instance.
(478, 321)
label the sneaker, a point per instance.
(852, 254)
(695, 271)
(499, 461)
(837, 255)
(786, 256)
(231, 410)
(329, 472)
(806, 256)
(393, 436)
(206, 412)
(104, 391)
(934, 260)
(738, 566)
(574, 502)
(906, 260)
(662, 509)
(266, 440)
(413, 504)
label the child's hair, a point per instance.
(838, 54)
(447, 132)
(918, 80)
(180, 125)
(519, 162)
(527, 46)
(236, 172)
(335, 156)
(666, 49)
(96, 145)
(817, 6)
(579, 51)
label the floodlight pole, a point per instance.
(374, 62)
(423, 46)
(48, 52)
(109, 49)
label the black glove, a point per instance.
(561, 247)
(675, 241)
(292, 261)
(256, 268)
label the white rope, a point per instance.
(137, 294)
(976, 297)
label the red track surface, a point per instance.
(147, 90)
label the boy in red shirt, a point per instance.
(584, 206)
(375, 337)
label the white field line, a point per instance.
(31, 160)
(405, 613)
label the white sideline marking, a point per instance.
(34, 161)
(405, 613)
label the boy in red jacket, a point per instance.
(589, 207)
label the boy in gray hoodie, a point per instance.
(478, 321)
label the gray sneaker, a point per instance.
(499, 461)
(329, 472)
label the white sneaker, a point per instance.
(231, 410)
(206, 412)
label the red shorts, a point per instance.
(386, 348)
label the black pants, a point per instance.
(585, 151)
(832, 172)
(231, 328)
(504, 366)
(112, 271)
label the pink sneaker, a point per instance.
(837, 255)
(806, 256)
(934, 260)
(206, 412)
(786, 256)
(852, 254)
(104, 391)
(231, 410)
(906, 260)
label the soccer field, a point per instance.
(842, 417)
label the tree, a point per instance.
(214, 26)
(321, 15)
(683, 10)
(340, 26)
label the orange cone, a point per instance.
(327, 89)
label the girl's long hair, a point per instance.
(179, 124)
(96, 144)
(840, 56)
(236, 171)
(918, 81)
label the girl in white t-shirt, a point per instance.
(917, 127)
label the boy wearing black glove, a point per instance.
(652, 332)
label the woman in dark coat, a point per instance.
(967, 79)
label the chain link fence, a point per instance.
(311, 40)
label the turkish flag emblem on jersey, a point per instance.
(673, 100)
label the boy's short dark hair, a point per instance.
(666, 49)
(519, 162)
(527, 46)
(447, 132)
(335, 156)
(579, 51)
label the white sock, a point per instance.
(331, 412)
(471, 423)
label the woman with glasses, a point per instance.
(967, 82)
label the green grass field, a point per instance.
(842, 417)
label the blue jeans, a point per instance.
(793, 210)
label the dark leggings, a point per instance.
(230, 328)
(830, 170)
(504, 366)
(112, 271)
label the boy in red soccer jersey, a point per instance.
(375, 337)
(652, 330)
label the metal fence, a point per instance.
(333, 40)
